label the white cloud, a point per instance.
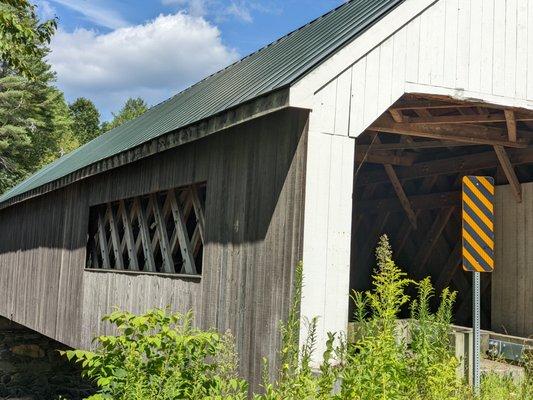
(154, 60)
(45, 10)
(220, 10)
(240, 10)
(96, 11)
(194, 7)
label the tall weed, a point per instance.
(161, 356)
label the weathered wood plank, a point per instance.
(480, 134)
(189, 266)
(198, 211)
(102, 242)
(149, 262)
(115, 240)
(404, 201)
(166, 254)
(128, 237)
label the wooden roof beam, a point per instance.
(396, 115)
(474, 134)
(421, 104)
(510, 119)
(404, 201)
(412, 145)
(430, 201)
(432, 236)
(451, 165)
(384, 157)
(509, 172)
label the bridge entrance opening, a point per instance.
(409, 166)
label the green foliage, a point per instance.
(85, 120)
(131, 109)
(295, 377)
(35, 124)
(21, 35)
(377, 363)
(432, 366)
(160, 356)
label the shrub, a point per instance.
(160, 356)
(295, 378)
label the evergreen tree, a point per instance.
(85, 120)
(35, 122)
(131, 109)
(21, 35)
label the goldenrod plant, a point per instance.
(161, 356)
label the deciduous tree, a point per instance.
(85, 120)
(131, 109)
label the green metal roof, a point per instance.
(273, 67)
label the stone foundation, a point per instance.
(32, 368)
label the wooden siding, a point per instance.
(255, 177)
(512, 279)
(466, 49)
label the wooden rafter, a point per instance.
(396, 115)
(447, 166)
(450, 267)
(384, 157)
(407, 143)
(429, 201)
(509, 172)
(396, 184)
(432, 236)
(406, 227)
(510, 119)
(425, 104)
(402, 197)
(471, 119)
(466, 133)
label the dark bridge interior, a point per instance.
(410, 163)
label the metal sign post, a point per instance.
(478, 251)
(476, 311)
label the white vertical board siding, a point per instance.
(481, 49)
(328, 212)
(514, 257)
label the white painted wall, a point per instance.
(467, 49)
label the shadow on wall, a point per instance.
(245, 167)
(31, 367)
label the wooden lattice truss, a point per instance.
(410, 164)
(161, 232)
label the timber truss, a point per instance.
(408, 182)
(160, 233)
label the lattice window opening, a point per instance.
(159, 233)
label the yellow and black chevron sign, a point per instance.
(478, 223)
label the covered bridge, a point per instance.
(362, 122)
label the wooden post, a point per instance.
(509, 172)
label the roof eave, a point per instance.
(260, 106)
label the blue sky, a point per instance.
(109, 50)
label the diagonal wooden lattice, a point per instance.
(162, 232)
